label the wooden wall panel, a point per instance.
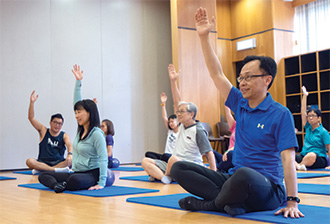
(296, 3)
(283, 14)
(248, 17)
(264, 46)
(223, 20)
(225, 56)
(195, 82)
(284, 44)
(187, 10)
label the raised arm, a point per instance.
(304, 106)
(163, 99)
(229, 117)
(174, 86)
(211, 59)
(35, 123)
(77, 89)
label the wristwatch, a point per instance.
(293, 199)
(69, 153)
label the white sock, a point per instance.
(302, 167)
(34, 172)
(166, 179)
(62, 170)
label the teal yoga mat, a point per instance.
(313, 214)
(105, 192)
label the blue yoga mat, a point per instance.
(105, 192)
(312, 213)
(314, 189)
(142, 178)
(26, 172)
(123, 168)
(7, 178)
(311, 175)
(318, 169)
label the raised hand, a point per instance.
(304, 90)
(163, 98)
(33, 98)
(77, 73)
(203, 26)
(172, 73)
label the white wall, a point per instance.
(124, 48)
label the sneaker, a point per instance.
(302, 167)
(60, 187)
(35, 172)
(151, 179)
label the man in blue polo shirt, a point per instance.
(264, 148)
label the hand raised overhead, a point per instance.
(203, 26)
(303, 88)
(172, 73)
(33, 98)
(77, 73)
(163, 98)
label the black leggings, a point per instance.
(75, 181)
(153, 155)
(246, 188)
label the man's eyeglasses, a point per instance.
(248, 78)
(181, 111)
(57, 123)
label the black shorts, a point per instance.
(50, 163)
(320, 161)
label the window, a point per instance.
(311, 24)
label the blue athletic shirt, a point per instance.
(52, 148)
(262, 133)
(315, 140)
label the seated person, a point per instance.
(171, 124)
(264, 148)
(52, 143)
(109, 131)
(224, 162)
(89, 149)
(317, 139)
(192, 141)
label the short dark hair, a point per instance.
(58, 115)
(110, 127)
(317, 111)
(173, 116)
(94, 118)
(266, 63)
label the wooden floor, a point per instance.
(23, 205)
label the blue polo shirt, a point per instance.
(315, 140)
(262, 133)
